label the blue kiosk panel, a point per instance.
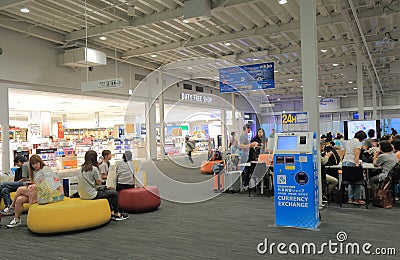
(296, 180)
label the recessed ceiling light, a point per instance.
(267, 95)
(24, 9)
(275, 71)
(335, 64)
(278, 99)
(186, 21)
(290, 79)
(103, 38)
(319, 96)
(255, 59)
(324, 50)
(228, 44)
(153, 55)
(190, 67)
(354, 88)
(301, 86)
(350, 82)
(282, 2)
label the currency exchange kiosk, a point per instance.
(296, 180)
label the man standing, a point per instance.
(245, 146)
(21, 176)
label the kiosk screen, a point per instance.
(287, 143)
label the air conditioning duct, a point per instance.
(82, 57)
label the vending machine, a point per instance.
(296, 180)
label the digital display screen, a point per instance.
(352, 127)
(287, 143)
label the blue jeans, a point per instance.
(5, 190)
(354, 191)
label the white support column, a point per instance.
(234, 115)
(309, 64)
(360, 86)
(161, 108)
(151, 142)
(4, 123)
(223, 129)
(374, 102)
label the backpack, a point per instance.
(382, 195)
(365, 156)
(334, 159)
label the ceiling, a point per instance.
(152, 33)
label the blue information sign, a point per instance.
(245, 78)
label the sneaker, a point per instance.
(359, 202)
(8, 211)
(122, 217)
(350, 201)
(324, 198)
(15, 223)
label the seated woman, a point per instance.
(125, 172)
(23, 195)
(88, 181)
(386, 160)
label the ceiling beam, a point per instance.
(29, 30)
(4, 4)
(146, 20)
(340, 18)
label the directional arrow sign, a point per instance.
(102, 84)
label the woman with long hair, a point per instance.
(23, 195)
(88, 181)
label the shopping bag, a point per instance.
(48, 186)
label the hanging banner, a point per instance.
(60, 131)
(102, 84)
(245, 78)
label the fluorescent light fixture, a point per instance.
(228, 44)
(324, 50)
(350, 82)
(190, 67)
(103, 38)
(278, 99)
(319, 96)
(275, 71)
(153, 55)
(268, 95)
(301, 86)
(335, 64)
(283, 111)
(282, 2)
(290, 79)
(354, 88)
(24, 9)
(255, 59)
(186, 21)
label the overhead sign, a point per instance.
(328, 104)
(245, 78)
(296, 121)
(196, 98)
(102, 84)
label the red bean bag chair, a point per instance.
(143, 199)
(206, 166)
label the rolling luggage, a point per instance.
(232, 181)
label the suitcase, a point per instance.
(219, 182)
(232, 181)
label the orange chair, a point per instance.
(267, 158)
(206, 166)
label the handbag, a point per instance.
(382, 195)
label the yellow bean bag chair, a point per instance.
(12, 194)
(68, 215)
